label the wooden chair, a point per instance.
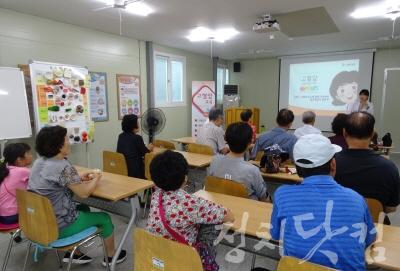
(114, 162)
(147, 161)
(157, 253)
(293, 264)
(200, 149)
(147, 193)
(38, 223)
(375, 208)
(224, 186)
(164, 144)
(14, 231)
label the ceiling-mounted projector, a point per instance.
(266, 25)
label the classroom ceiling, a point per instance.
(173, 19)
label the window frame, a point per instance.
(170, 58)
(226, 77)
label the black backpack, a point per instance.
(272, 158)
(387, 140)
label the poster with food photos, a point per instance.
(98, 96)
(61, 97)
(128, 87)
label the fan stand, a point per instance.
(151, 135)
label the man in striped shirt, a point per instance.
(319, 220)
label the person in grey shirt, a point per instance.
(278, 135)
(53, 177)
(233, 166)
(212, 134)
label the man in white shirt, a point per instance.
(308, 127)
(362, 104)
(212, 134)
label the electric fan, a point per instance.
(153, 122)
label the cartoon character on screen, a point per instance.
(344, 88)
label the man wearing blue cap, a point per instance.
(319, 220)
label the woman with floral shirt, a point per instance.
(177, 215)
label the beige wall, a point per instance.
(179, 119)
(24, 37)
(259, 83)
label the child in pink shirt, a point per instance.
(177, 215)
(14, 175)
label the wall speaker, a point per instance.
(236, 66)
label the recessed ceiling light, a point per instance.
(3, 92)
(389, 9)
(219, 35)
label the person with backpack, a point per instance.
(278, 135)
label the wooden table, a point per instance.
(185, 140)
(279, 177)
(389, 244)
(193, 159)
(112, 188)
(260, 212)
(115, 187)
(385, 150)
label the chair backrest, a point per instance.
(259, 155)
(147, 160)
(200, 149)
(164, 144)
(114, 162)
(293, 264)
(375, 208)
(157, 253)
(224, 186)
(36, 218)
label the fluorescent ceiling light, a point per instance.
(3, 92)
(219, 35)
(388, 9)
(139, 8)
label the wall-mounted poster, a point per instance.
(203, 99)
(61, 97)
(128, 87)
(98, 96)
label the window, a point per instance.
(222, 79)
(169, 80)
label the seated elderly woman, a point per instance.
(54, 177)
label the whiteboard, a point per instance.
(14, 111)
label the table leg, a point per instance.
(134, 201)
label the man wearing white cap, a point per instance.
(319, 220)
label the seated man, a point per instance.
(363, 170)
(277, 135)
(234, 167)
(211, 134)
(308, 127)
(319, 220)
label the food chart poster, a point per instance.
(60, 97)
(98, 96)
(129, 99)
(203, 99)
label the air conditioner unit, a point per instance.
(231, 96)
